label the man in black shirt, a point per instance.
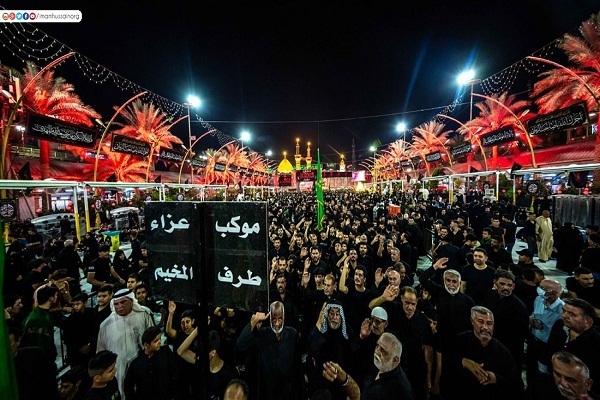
(584, 286)
(510, 231)
(485, 367)
(388, 380)
(101, 270)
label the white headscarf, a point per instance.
(129, 294)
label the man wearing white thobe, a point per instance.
(121, 332)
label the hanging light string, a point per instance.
(27, 42)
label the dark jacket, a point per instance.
(153, 377)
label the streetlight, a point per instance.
(400, 127)
(192, 102)
(468, 78)
(244, 136)
(374, 150)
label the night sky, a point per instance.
(326, 73)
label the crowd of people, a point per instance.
(419, 300)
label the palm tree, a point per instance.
(146, 122)
(492, 116)
(126, 167)
(559, 88)
(432, 137)
(54, 97)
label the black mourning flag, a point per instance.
(112, 178)
(420, 178)
(515, 167)
(578, 179)
(158, 179)
(187, 181)
(24, 173)
(473, 169)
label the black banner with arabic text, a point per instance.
(170, 155)
(173, 238)
(497, 137)
(127, 145)
(562, 119)
(432, 157)
(236, 245)
(461, 149)
(55, 130)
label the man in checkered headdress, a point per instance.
(331, 340)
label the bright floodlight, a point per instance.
(194, 101)
(401, 127)
(245, 136)
(372, 148)
(269, 153)
(466, 77)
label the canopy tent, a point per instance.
(451, 178)
(565, 169)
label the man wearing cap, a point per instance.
(370, 331)
(122, 331)
(525, 259)
(101, 270)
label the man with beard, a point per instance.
(486, 369)
(122, 331)
(388, 380)
(314, 261)
(477, 278)
(365, 259)
(499, 256)
(574, 333)
(357, 297)
(572, 377)
(454, 309)
(330, 340)
(510, 314)
(278, 359)
(288, 299)
(584, 286)
(370, 331)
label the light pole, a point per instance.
(374, 150)
(468, 78)
(192, 102)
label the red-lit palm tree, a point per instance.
(126, 167)
(432, 137)
(561, 87)
(148, 123)
(492, 116)
(52, 96)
